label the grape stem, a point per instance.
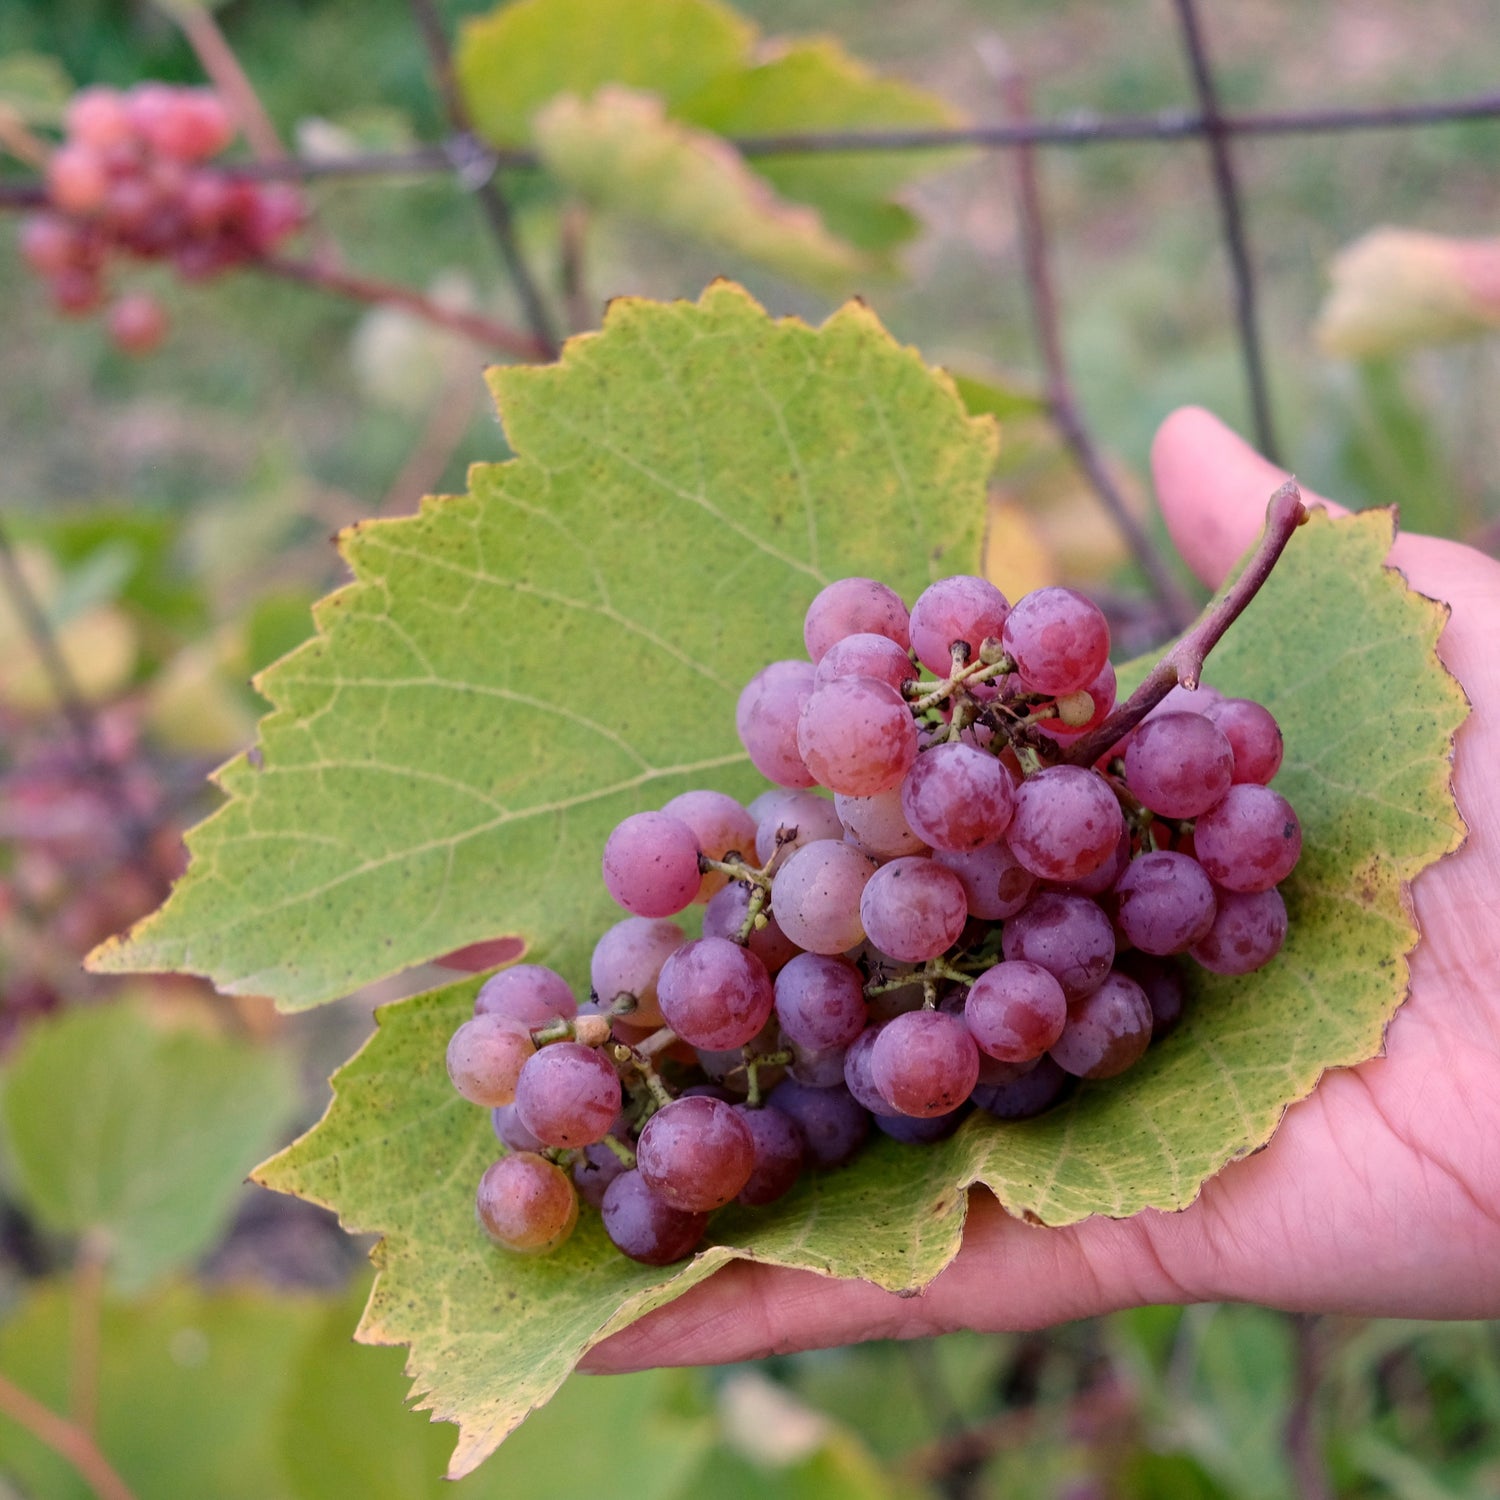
(1183, 663)
(621, 1150)
(961, 676)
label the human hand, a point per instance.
(1378, 1195)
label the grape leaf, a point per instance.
(492, 1335)
(619, 151)
(139, 1136)
(539, 72)
(515, 670)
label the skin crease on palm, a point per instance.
(1379, 1194)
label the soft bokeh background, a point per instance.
(175, 515)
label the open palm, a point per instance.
(1379, 1194)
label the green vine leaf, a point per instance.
(1369, 716)
(569, 76)
(515, 670)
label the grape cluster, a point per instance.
(973, 919)
(132, 177)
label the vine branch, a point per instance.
(1232, 221)
(66, 1439)
(1062, 402)
(1183, 663)
(486, 187)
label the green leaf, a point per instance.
(436, 771)
(619, 151)
(812, 86)
(34, 89)
(191, 1386)
(520, 56)
(1368, 716)
(138, 1136)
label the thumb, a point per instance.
(1212, 488)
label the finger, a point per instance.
(1008, 1276)
(1213, 488)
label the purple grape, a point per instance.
(595, 1167)
(874, 656)
(1015, 1011)
(820, 1002)
(511, 1132)
(695, 1154)
(802, 817)
(1066, 935)
(1058, 639)
(995, 884)
(1066, 823)
(1179, 765)
(818, 1069)
(1162, 981)
(877, 825)
(857, 736)
(651, 865)
(1165, 903)
(530, 992)
(644, 1227)
(485, 1058)
(568, 1095)
(912, 1130)
(1247, 933)
(719, 825)
(724, 916)
(913, 909)
(526, 1204)
(1035, 1090)
(833, 1126)
(766, 720)
(961, 608)
(1253, 735)
(1107, 1031)
(779, 1151)
(957, 798)
(924, 1063)
(857, 1076)
(853, 606)
(714, 994)
(628, 960)
(816, 896)
(1250, 841)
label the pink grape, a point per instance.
(866, 656)
(1248, 930)
(924, 1063)
(853, 606)
(820, 1001)
(724, 916)
(766, 718)
(696, 1154)
(857, 1076)
(1066, 823)
(1165, 903)
(1015, 1011)
(816, 896)
(531, 992)
(568, 1095)
(526, 1204)
(961, 608)
(996, 885)
(913, 909)
(137, 323)
(1250, 840)
(857, 736)
(1106, 1032)
(877, 825)
(77, 179)
(97, 117)
(1058, 639)
(804, 815)
(719, 825)
(485, 1058)
(1066, 935)
(958, 798)
(511, 1132)
(628, 960)
(1253, 735)
(1179, 765)
(651, 864)
(714, 994)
